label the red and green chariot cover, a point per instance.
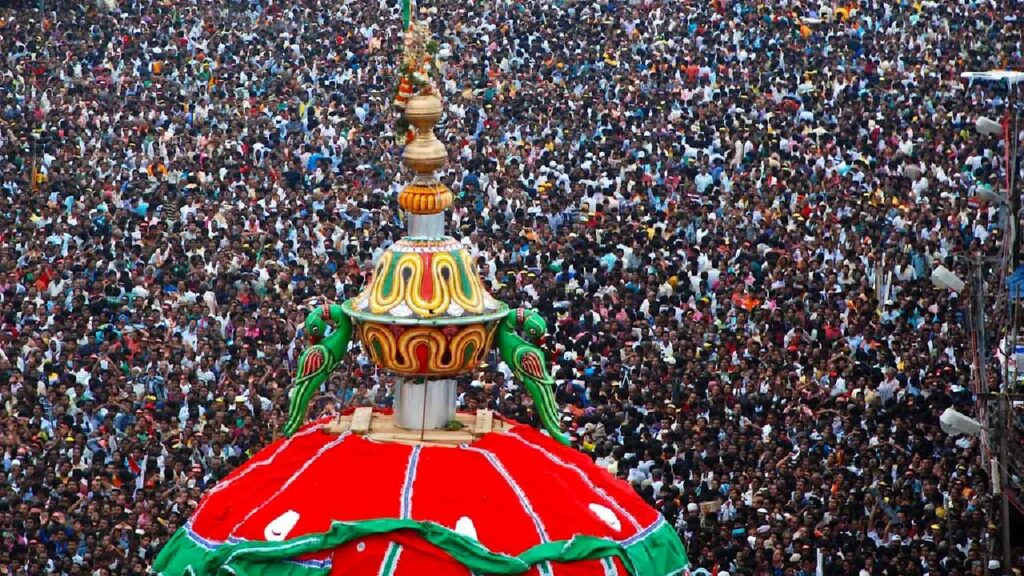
(513, 502)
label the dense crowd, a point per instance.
(728, 212)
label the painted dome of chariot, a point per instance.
(422, 279)
(425, 310)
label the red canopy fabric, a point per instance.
(509, 491)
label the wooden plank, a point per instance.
(382, 428)
(361, 420)
(468, 420)
(484, 422)
(430, 438)
(338, 426)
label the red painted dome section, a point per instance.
(509, 490)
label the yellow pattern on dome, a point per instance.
(425, 285)
(428, 350)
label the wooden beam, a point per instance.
(484, 422)
(361, 420)
(382, 428)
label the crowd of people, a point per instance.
(728, 213)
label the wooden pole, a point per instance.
(423, 417)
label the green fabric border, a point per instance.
(656, 550)
(183, 556)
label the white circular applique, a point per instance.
(279, 528)
(455, 310)
(466, 527)
(361, 546)
(401, 311)
(362, 304)
(606, 516)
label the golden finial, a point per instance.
(424, 154)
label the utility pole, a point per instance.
(1013, 195)
(1009, 379)
(979, 320)
(982, 354)
(1004, 414)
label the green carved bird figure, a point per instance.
(529, 364)
(318, 361)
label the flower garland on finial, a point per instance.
(415, 73)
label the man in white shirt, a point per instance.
(703, 181)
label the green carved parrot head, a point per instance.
(534, 327)
(316, 327)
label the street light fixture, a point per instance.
(944, 279)
(992, 196)
(954, 423)
(987, 126)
